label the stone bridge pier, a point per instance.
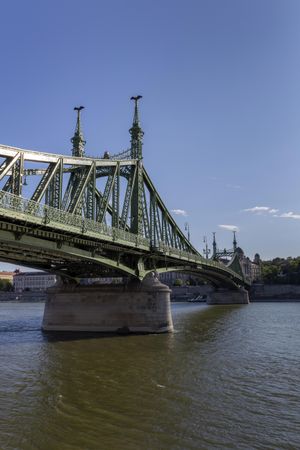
(228, 297)
(138, 307)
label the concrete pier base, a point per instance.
(133, 308)
(228, 297)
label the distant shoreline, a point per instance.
(259, 293)
(274, 300)
(275, 292)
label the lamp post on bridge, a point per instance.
(214, 255)
(206, 250)
(187, 228)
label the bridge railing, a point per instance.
(125, 154)
(49, 214)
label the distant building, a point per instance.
(251, 269)
(33, 281)
(170, 278)
(256, 268)
(8, 276)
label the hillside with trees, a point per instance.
(281, 271)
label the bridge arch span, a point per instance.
(216, 279)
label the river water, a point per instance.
(227, 378)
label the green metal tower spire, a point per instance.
(136, 132)
(214, 246)
(77, 140)
(136, 208)
(234, 241)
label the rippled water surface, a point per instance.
(227, 378)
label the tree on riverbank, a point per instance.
(281, 271)
(5, 285)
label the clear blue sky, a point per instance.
(220, 81)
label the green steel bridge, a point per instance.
(82, 217)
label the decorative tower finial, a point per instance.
(77, 140)
(234, 241)
(214, 245)
(136, 132)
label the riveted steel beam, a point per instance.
(106, 195)
(116, 199)
(83, 180)
(45, 181)
(127, 198)
(8, 165)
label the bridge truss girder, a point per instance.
(70, 184)
(90, 217)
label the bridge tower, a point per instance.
(77, 140)
(136, 207)
(234, 241)
(79, 198)
(214, 255)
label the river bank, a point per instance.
(258, 293)
(275, 292)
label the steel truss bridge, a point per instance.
(82, 217)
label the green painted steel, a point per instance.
(77, 140)
(89, 217)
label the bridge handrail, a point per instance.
(48, 213)
(125, 154)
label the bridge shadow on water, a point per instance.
(63, 336)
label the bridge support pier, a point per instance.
(228, 297)
(133, 308)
